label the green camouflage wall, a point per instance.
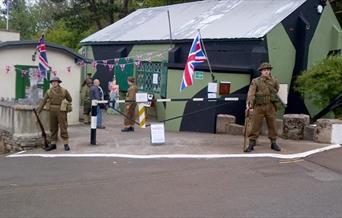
(282, 55)
(87, 51)
(328, 36)
(174, 109)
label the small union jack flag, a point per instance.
(195, 57)
(43, 62)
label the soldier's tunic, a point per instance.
(130, 106)
(261, 97)
(55, 96)
(86, 104)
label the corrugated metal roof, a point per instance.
(217, 19)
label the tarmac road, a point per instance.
(122, 187)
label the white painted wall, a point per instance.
(58, 61)
(9, 36)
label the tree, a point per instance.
(21, 19)
(61, 35)
(83, 14)
(322, 83)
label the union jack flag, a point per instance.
(43, 61)
(195, 57)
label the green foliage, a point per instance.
(22, 19)
(61, 35)
(83, 14)
(323, 82)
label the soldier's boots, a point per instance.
(50, 147)
(66, 147)
(250, 147)
(128, 129)
(275, 147)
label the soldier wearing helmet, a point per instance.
(261, 101)
(57, 115)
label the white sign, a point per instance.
(212, 87)
(211, 95)
(283, 92)
(157, 133)
(141, 97)
(336, 134)
(155, 78)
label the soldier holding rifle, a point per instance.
(57, 98)
(261, 102)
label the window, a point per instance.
(29, 85)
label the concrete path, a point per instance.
(113, 143)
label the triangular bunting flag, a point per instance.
(110, 66)
(94, 65)
(105, 62)
(122, 66)
(8, 68)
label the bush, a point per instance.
(322, 83)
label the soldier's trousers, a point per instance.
(58, 118)
(86, 113)
(260, 112)
(130, 114)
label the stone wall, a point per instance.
(226, 124)
(293, 126)
(18, 127)
(328, 131)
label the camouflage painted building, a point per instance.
(238, 36)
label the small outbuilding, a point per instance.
(238, 35)
(19, 74)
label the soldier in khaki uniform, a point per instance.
(130, 106)
(261, 102)
(86, 101)
(55, 95)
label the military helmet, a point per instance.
(265, 66)
(55, 78)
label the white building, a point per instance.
(18, 71)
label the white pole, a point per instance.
(170, 31)
(7, 14)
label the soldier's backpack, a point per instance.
(66, 105)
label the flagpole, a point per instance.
(205, 52)
(170, 32)
(7, 15)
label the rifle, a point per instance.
(245, 129)
(41, 128)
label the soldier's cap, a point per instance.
(131, 79)
(265, 66)
(55, 78)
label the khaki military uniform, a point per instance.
(86, 104)
(262, 99)
(55, 96)
(130, 106)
